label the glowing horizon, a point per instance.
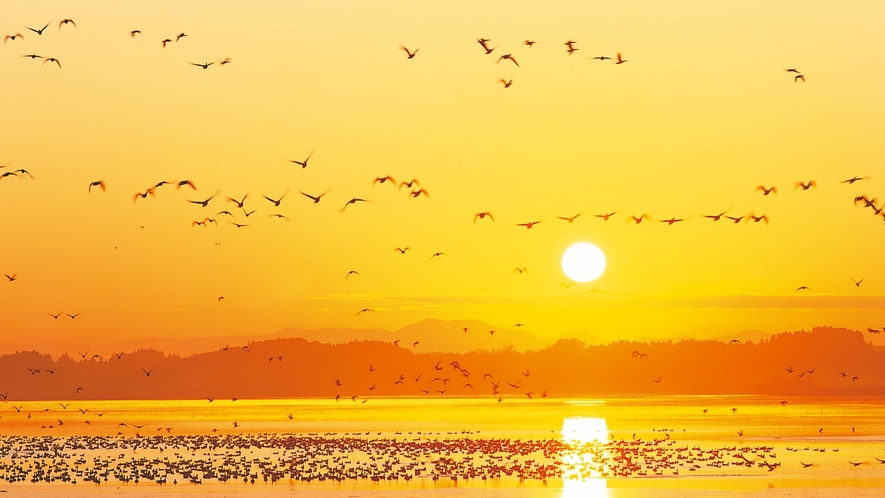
(700, 115)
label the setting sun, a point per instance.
(583, 262)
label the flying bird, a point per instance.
(384, 180)
(164, 42)
(671, 221)
(857, 282)
(66, 21)
(276, 202)
(620, 60)
(757, 219)
(410, 54)
(806, 186)
(239, 203)
(508, 57)
(855, 179)
(505, 82)
(180, 36)
(203, 203)
(364, 310)
(100, 184)
(11, 278)
(315, 199)
(204, 65)
(52, 59)
(147, 372)
(140, 195)
(186, 183)
(570, 219)
(529, 43)
(409, 184)
(480, 216)
(13, 37)
(303, 164)
(602, 58)
(606, 216)
(529, 224)
(39, 31)
(352, 201)
(483, 42)
(134, 32)
(766, 191)
(401, 250)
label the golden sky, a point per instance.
(700, 115)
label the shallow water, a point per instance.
(613, 447)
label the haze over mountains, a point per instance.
(442, 336)
(825, 361)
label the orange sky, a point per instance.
(700, 115)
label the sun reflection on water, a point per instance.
(582, 465)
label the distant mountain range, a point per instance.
(825, 361)
(439, 336)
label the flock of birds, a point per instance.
(342, 457)
(337, 458)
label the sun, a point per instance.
(583, 262)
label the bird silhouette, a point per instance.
(766, 191)
(570, 219)
(506, 83)
(507, 57)
(66, 21)
(204, 65)
(529, 224)
(483, 42)
(401, 250)
(480, 216)
(529, 43)
(855, 179)
(13, 38)
(180, 36)
(147, 373)
(857, 282)
(40, 31)
(409, 53)
(11, 278)
(276, 202)
(240, 202)
(806, 186)
(352, 201)
(303, 164)
(620, 60)
(384, 179)
(315, 199)
(204, 202)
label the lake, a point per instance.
(447, 446)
